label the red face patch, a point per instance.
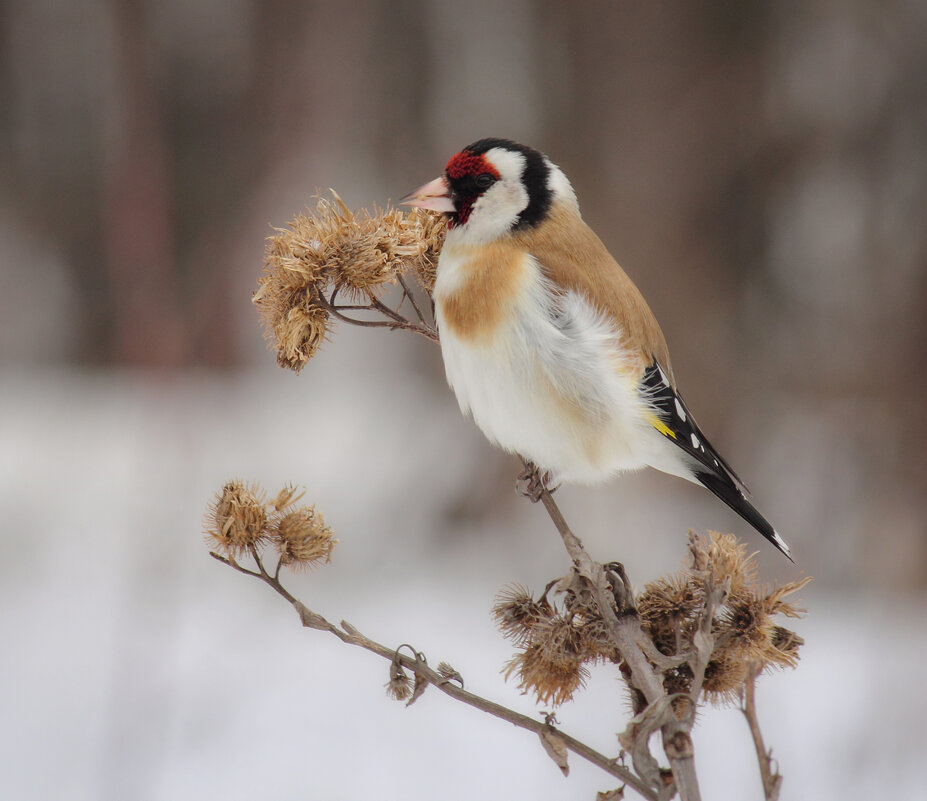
(465, 163)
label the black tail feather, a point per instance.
(728, 492)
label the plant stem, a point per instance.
(626, 633)
(351, 636)
(772, 780)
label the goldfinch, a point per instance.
(546, 341)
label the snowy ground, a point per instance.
(135, 667)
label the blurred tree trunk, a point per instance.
(139, 230)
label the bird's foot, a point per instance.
(532, 482)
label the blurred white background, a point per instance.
(760, 171)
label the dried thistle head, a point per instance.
(337, 248)
(517, 614)
(400, 684)
(375, 247)
(236, 519)
(742, 625)
(429, 230)
(729, 561)
(786, 643)
(556, 641)
(299, 329)
(555, 648)
(668, 608)
(551, 673)
(302, 538)
(725, 675)
(746, 634)
(240, 517)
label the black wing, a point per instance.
(710, 469)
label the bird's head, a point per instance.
(494, 187)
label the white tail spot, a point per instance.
(781, 543)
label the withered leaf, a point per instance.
(449, 674)
(556, 749)
(417, 690)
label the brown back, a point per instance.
(573, 257)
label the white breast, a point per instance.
(553, 381)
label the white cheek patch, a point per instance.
(497, 210)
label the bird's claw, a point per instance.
(532, 483)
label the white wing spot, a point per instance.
(680, 411)
(663, 379)
(695, 442)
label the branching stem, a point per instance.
(626, 634)
(351, 636)
(407, 292)
(772, 780)
(673, 715)
(395, 320)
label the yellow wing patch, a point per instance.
(660, 426)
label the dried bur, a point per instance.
(240, 519)
(299, 532)
(335, 251)
(400, 684)
(743, 629)
(557, 641)
(236, 520)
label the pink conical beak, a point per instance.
(435, 195)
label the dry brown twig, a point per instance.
(705, 633)
(772, 780)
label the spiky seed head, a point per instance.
(357, 251)
(237, 518)
(551, 662)
(669, 608)
(517, 613)
(743, 631)
(552, 676)
(400, 684)
(302, 538)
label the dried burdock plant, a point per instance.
(557, 642)
(742, 628)
(334, 252)
(696, 637)
(702, 634)
(552, 666)
(236, 520)
(518, 615)
(240, 520)
(302, 538)
(400, 684)
(409, 674)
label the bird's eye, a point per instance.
(485, 180)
